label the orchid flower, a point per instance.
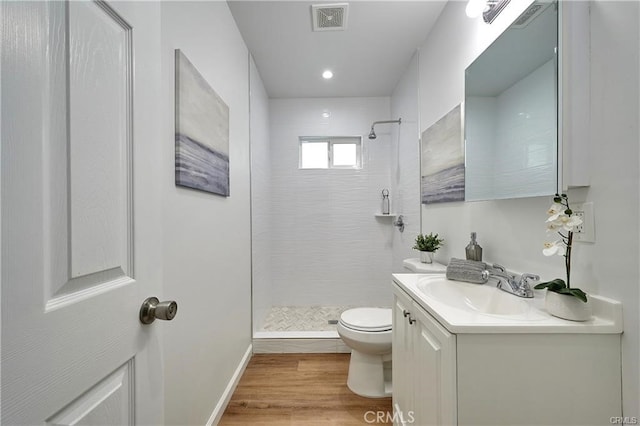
(556, 247)
(561, 218)
(569, 222)
(555, 211)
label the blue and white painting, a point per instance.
(202, 132)
(442, 174)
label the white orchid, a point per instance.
(560, 219)
(552, 227)
(569, 222)
(556, 247)
(564, 222)
(555, 211)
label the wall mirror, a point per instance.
(511, 112)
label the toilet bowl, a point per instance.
(367, 331)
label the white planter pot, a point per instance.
(426, 256)
(567, 307)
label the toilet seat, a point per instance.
(367, 319)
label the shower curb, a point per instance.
(299, 345)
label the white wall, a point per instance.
(207, 237)
(612, 263)
(327, 246)
(512, 231)
(405, 164)
(260, 199)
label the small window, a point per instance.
(330, 153)
(313, 155)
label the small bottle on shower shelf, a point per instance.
(385, 201)
(473, 250)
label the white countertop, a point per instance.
(414, 264)
(606, 319)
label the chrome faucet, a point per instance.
(513, 284)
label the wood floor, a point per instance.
(300, 389)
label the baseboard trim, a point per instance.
(215, 417)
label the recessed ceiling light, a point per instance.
(326, 114)
(327, 74)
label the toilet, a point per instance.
(367, 331)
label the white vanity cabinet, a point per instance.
(445, 374)
(424, 366)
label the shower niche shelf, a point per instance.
(385, 215)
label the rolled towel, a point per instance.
(470, 271)
(472, 265)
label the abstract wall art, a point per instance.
(442, 170)
(201, 132)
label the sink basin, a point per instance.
(482, 298)
(482, 308)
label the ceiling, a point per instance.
(367, 58)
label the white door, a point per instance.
(81, 237)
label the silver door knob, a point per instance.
(152, 308)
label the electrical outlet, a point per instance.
(585, 232)
(579, 229)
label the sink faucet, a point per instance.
(516, 285)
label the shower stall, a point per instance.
(320, 244)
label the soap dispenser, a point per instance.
(473, 250)
(385, 201)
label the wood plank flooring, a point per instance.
(300, 389)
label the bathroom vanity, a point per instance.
(469, 354)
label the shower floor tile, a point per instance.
(303, 318)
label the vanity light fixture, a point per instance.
(489, 9)
(475, 8)
(327, 74)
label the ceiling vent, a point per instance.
(329, 17)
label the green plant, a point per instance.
(562, 221)
(428, 242)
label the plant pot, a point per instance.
(567, 307)
(426, 256)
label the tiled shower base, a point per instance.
(295, 329)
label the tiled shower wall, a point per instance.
(517, 113)
(327, 247)
(316, 240)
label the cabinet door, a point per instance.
(402, 358)
(434, 375)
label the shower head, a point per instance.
(372, 133)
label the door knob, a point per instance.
(152, 308)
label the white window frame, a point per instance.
(331, 141)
